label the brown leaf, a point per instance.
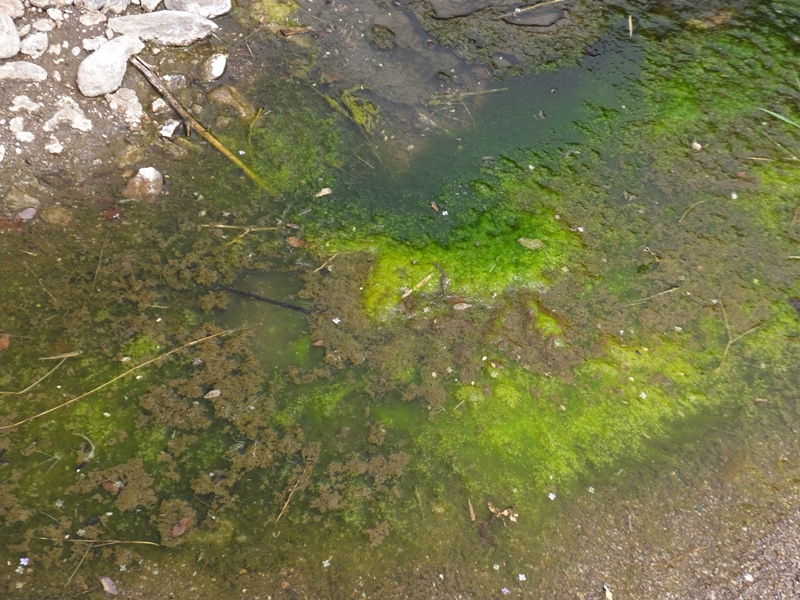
(180, 527)
(318, 343)
(4, 341)
(435, 207)
(112, 487)
(296, 242)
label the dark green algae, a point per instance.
(566, 361)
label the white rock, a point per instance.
(125, 104)
(116, 7)
(43, 25)
(9, 37)
(92, 5)
(24, 136)
(22, 102)
(49, 3)
(68, 112)
(150, 5)
(168, 129)
(214, 67)
(92, 44)
(35, 44)
(145, 185)
(204, 8)
(165, 27)
(22, 71)
(102, 71)
(13, 8)
(56, 14)
(91, 18)
(53, 146)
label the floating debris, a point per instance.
(180, 527)
(296, 242)
(212, 394)
(531, 243)
(323, 192)
(461, 306)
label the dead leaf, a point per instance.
(296, 242)
(112, 487)
(4, 341)
(292, 226)
(180, 527)
(323, 192)
(435, 207)
(109, 586)
(212, 394)
(461, 306)
(318, 343)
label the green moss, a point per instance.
(310, 404)
(141, 348)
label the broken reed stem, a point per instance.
(100, 260)
(731, 339)
(191, 123)
(40, 282)
(325, 264)
(117, 378)
(98, 542)
(416, 287)
(38, 381)
(519, 11)
(688, 210)
(294, 489)
(246, 227)
(661, 293)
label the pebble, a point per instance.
(102, 71)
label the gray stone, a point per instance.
(35, 44)
(145, 185)
(22, 70)
(213, 68)
(447, 9)
(91, 18)
(68, 112)
(116, 7)
(92, 5)
(150, 5)
(205, 8)
(536, 18)
(49, 3)
(44, 25)
(23, 102)
(102, 71)
(13, 8)
(16, 201)
(165, 27)
(9, 37)
(125, 104)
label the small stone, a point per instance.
(214, 67)
(70, 113)
(126, 104)
(43, 25)
(35, 44)
(9, 37)
(91, 18)
(749, 578)
(22, 102)
(145, 185)
(53, 146)
(166, 27)
(102, 71)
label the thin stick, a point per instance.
(471, 510)
(101, 542)
(191, 123)
(85, 554)
(246, 227)
(40, 282)
(37, 382)
(60, 356)
(686, 212)
(117, 378)
(416, 287)
(325, 264)
(528, 8)
(661, 293)
(100, 259)
(731, 340)
(630, 25)
(294, 489)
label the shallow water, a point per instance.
(345, 451)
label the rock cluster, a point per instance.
(63, 62)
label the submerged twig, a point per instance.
(656, 295)
(291, 493)
(38, 381)
(40, 282)
(325, 264)
(519, 11)
(98, 542)
(114, 379)
(731, 338)
(191, 123)
(256, 296)
(688, 210)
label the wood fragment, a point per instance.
(291, 493)
(416, 287)
(38, 381)
(290, 31)
(256, 296)
(325, 264)
(190, 122)
(471, 511)
(630, 26)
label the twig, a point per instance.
(100, 259)
(325, 264)
(38, 381)
(294, 489)
(99, 542)
(256, 296)
(60, 356)
(688, 210)
(416, 287)
(191, 123)
(661, 293)
(85, 554)
(40, 282)
(245, 227)
(117, 378)
(519, 11)
(731, 339)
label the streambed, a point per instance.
(445, 363)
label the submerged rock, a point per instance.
(165, 27)
(145, 185)
(70, 113)
(536, 18)
(447, 9)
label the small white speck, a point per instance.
(580, 229)
(441, 576)
(522, 577)
(531, 167)
(445, 213)
(496, 567)
(642, 395)
(551, 495)
(678, 328)
(241, 152)
(591, 489)
(734, 195)
(59, 504)
(749, 578)
(326, 563)
(105, 414)
(336, 320)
